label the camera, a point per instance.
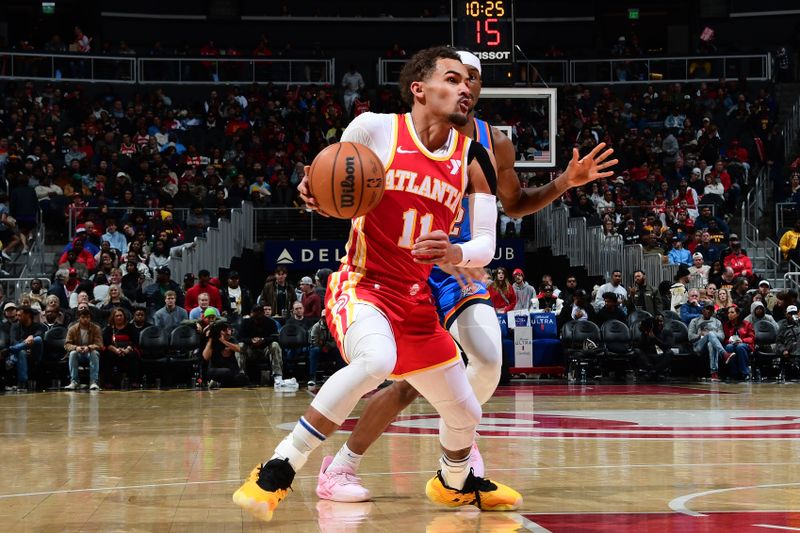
(216, 328)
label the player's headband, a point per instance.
(470, 59)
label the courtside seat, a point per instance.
(766, 361)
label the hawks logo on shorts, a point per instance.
(423, 194)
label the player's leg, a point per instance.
(477, 331)
(337, 477)
(455, 485)
(370, 347)
(474, 326)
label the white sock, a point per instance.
(299, 444)
(346, 458)
(454, 471)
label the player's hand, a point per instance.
(591, 167)
(465, 276)
(305, 193)
(435, 247)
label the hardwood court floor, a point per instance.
(595, 458)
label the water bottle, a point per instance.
(143, 386)
(583, 375)
(197, 378)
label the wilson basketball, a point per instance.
(346, 179)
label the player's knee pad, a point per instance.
(478, 333)
(458, 420)
(370, 343)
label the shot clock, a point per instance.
(485, 27)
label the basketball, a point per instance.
(346, 179)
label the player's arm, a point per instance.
(435, 247)
(518, 202)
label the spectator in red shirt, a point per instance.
(736, 259)
(312, 304)
(81, 255)
(203, 285)
(501, 292)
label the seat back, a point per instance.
(637, 316)
(616, 336)
(766, 333)
(670, 315)
(184, 338)
(54, 339)
(153, 341)
(677, 332)
(293, 336)
(584, 330)
(568, 332)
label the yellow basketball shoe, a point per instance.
(265, 488)
(484, 494)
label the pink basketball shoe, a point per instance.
(340, 484)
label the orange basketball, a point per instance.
(346, 179)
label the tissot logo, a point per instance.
(493, 55)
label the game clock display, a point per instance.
(485, 27)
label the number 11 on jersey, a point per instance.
(408, 237)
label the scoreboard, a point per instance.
(485, 28)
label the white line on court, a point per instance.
(413, 472)
(679, 504)
(784, 528)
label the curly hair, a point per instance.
(420, 67)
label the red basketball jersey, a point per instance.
(423, 192)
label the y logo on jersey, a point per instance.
(455, 166)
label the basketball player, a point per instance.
(380, 308)
(464, 311)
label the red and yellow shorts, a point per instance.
(422, 342)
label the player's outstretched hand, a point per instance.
(435, 247)
(305, 193)
(465, 276)
(581, 171)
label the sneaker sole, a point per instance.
(502, 507)
(256, 508)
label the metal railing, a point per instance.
(220, 244)
(785, 216)
(14, 288)
(670, 69)
(791, 131)
(551, 71)
(791, 279)
(577, 238)
(605, 71)
(67, 67)
(290, 223)
(124, 215)
(35, 263)
(198, 71)
(164, 70)
(753, 208)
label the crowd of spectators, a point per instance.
(719, 318)
(685, 155)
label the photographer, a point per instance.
(220, 352)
